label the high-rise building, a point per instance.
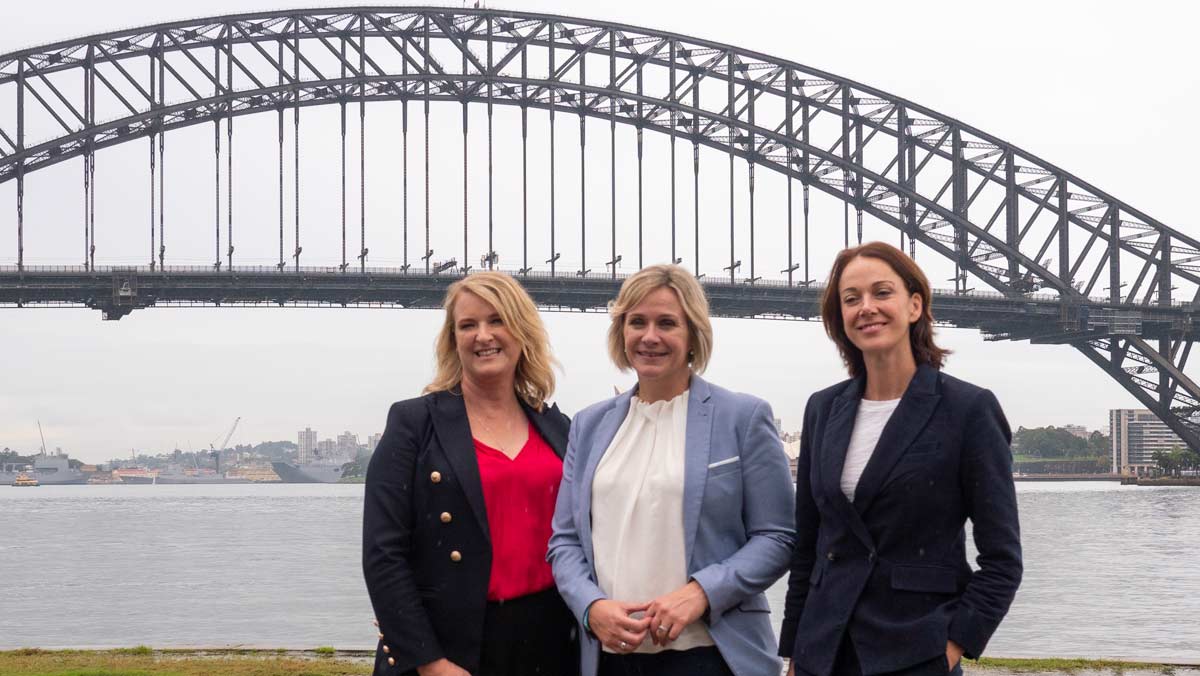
(1136, 434)
(1077, 430)
(373, 442)
(347, 444)
(306, 443)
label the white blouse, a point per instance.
(637, 512)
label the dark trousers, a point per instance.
(846, 664)
(704, 661)
(533, 635)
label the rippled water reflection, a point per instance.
(1110, 570)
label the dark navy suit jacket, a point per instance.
(891, 567)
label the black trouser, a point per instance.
(846, 664)
(529, 636)
(704, 661)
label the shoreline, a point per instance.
(330, 661)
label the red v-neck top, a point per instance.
(519, 495)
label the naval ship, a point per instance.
(319, 471)
(49, 470)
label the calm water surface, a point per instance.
(1110, 570)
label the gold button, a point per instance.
(386, 650)
(446, 517)
(435, 477)
(391, 661)
(455, 556)
(381, 636)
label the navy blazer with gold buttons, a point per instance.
(427, 555)
(891, 566)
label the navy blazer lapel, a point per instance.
(449, 414)
(697, 449)
(544, 422)
(913, 412)
(835, 439)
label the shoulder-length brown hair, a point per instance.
(534, 381)
(920, 333)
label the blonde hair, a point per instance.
(534, 382)
(691, 297)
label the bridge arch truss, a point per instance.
(1127, 285)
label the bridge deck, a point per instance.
(117, 291)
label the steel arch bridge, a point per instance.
(1066, 262)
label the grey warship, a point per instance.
(328, 471)
(49, 470)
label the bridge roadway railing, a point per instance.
(118, 290)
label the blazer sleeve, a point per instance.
(991, 503)
(388, 525)
(767, 515)
(572, 571)
(807, 522)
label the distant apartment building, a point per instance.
(1136, 434)
(373, 442)
(347, 444)
(326, 448)
(306, 443)
(1077, 430)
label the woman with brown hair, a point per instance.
(459, 497)
(892, 464)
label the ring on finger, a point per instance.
(623, 645)
(662, 629)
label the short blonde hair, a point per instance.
(695, 310)
(534, 382)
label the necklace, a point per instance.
(501, 440)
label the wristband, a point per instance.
(586, 626)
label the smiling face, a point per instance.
(877, 309)
(486, 348)
(657, 341)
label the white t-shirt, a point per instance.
(868, 425)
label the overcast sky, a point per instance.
(1107, 91)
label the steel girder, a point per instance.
(1004, 216)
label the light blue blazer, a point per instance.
(737, 518)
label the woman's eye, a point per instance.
(497, 321)
(636, 322)
(848, 300)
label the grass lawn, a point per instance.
(143, 661)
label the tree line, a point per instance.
(1177, 461)
(1055, 442)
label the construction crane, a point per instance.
(225, 444)
(216, 452)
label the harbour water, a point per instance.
(1111, 571)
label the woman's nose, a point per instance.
(484, 332)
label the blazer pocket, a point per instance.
(922, 449)
(725, 466)
(930, 579)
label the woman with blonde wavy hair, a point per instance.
(459, 497)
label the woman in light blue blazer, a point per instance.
(675, 509)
